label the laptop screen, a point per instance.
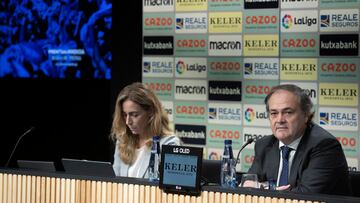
(88, 167)
(37, 165)
(211, 172)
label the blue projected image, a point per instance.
(55, 39)
(180, 170)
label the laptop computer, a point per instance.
(88, 167)
(37, 165)
(211, 171)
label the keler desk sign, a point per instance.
(180, 169)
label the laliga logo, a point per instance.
(249, 114)
(287, 21)
(180, 67)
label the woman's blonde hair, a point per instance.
(158, 123)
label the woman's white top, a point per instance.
(142, 155)
(139, 168)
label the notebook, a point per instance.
(88, 167)
(37, 165)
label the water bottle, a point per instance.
(154, 160)
(228, 172)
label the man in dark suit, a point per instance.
(300, 156)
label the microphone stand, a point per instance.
(12, 153)
(249, 141)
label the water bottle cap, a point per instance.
(156, 138)
(227, 142)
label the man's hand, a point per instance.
(250, 183)
(284, 187)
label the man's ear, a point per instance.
(309, 116)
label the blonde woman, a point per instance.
(137, 118)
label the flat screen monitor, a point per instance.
(88, 167)
(180, 169)
(48, 166)
(55, 39)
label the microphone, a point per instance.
(12, 153)
(249, 141)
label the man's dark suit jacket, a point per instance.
(319, 164)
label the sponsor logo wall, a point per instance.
(213, 62)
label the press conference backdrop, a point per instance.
(212, 62)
